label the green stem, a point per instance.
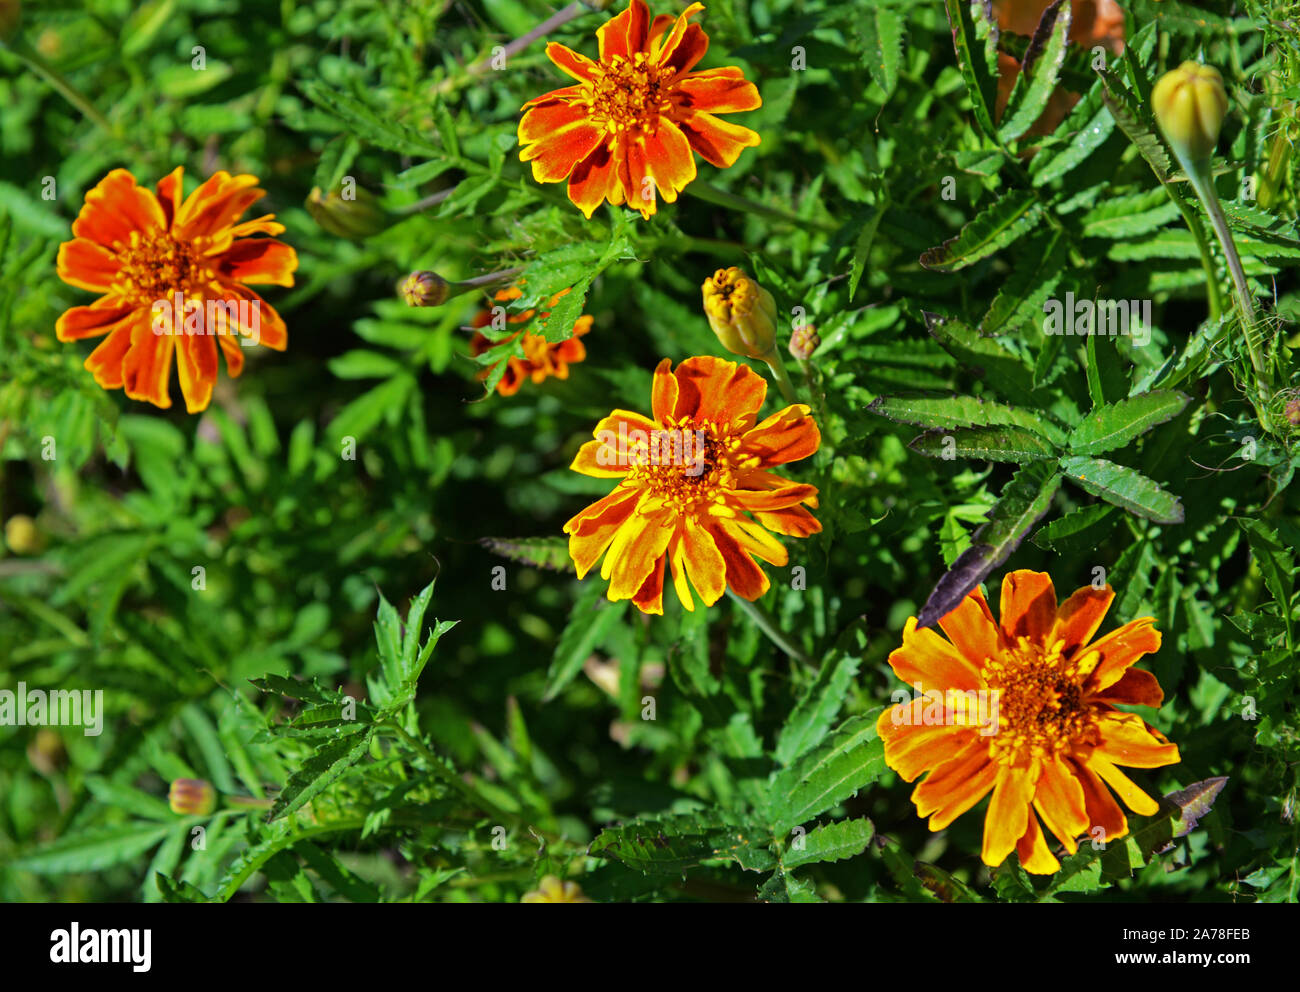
(782, 379)
(765, 624)
(56, 79)
(720, 197)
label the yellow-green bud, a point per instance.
(349, 212)
(742, 314)
(424, 289)
(551, 889)
(804, 340)
(192, 797)
(1190, 103)
(21, 535)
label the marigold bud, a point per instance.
(804, 341)
(46, 752)
(1190, 103)
(424, 289)
(551, 889)
(354, 213)
(192, 797)
(1292, 412)
(21, 535)
(742, 314)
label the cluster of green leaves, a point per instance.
(218, 576)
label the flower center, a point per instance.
(687, 465)
(1040, 711)
(629, 93)
(153, 268)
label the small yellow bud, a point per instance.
(350, 212)
(192, 797)
(804, 341)
(46, 752)
(424, 289)
(551, 889)
(21, 535)
(742, 314)
(1190, 103)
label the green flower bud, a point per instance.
(192, 797)
(424, 289)
(742, 314)
(1189, 104)
(353, 213)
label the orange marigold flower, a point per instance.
(625, 131)
(1025, 708)
(687, 481)
(174, 276)
(542, 358)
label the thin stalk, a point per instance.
(765, 624)
(720, 197)
(51, 75)
(554, 22)
(782, 379)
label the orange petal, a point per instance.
(1008, 813)
(786, 436)
(105, 362)
(1134, 798)
(718, 142)
(774, 499)
(196, 363)
(257, 320)
(686, 43)
(637, 178)
(571, 63)
(257, 261)
(927, 658)
(717, 91)
(591, 531)
(170, 189)
(663, 393)
(101, 317)
(1103, 811)
(593, 181)
(266, 224)
(635, 552)
(1060, 801)
(715, 389)
(955, 786)
(1078, 617)
(146, 367)
(1127, 740)
(1136, 688)
(702, 562)
(625, 34)
(794, 521)
(215, 205)
(972, 629)
(116, 207)
(913, 746)
(756, 540)
(557, 137)
(668, 159)
(1035, 856)
(1028, 606)
(1119, 650)
(744, 576)
(234, 352)
(650, 597)
(86, 265)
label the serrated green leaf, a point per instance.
(550, 553)
(1040, 71)
(999, 224)
(670, 845)
(951, 412)
(94, 850)
(830, 842)
(320, 771)
(1116, 424)
(850, 760)
(1125, 487)
(996, 444)
(810, 720)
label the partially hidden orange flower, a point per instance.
(625, 131)
(542, 358)
(1092, 23)
(696, 491)
(174, 277)
(1025, 708)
